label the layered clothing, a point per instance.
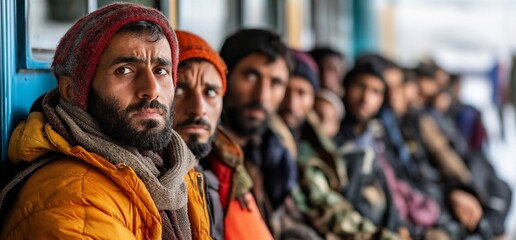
(91, 186)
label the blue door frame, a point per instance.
(22, 79)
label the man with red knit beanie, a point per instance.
(219, 182)
(101, 160)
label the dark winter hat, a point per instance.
(372, 67)
(80, 48)
(248, 41)
(305, 67)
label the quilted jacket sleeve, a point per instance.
(69, 200)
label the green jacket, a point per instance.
(322, 177)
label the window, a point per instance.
(48, 21)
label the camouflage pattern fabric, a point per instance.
(318, 197)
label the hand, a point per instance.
(466, 208)
(244, 202)
(404, 233)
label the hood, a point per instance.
(33, 138)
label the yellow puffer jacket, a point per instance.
(197, 205)
(80, 196)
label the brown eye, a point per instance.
(123, 70)
(278, 82)
(161, 71)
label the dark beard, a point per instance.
(235, 120)
(199, 150)
(115, 122)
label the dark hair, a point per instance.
(373, 67)
(426, 70)
(248, 41)
(319, 53)
(454, 78)
(409, 75)
(384, 61)
(154, 30)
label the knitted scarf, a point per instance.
(167, 188)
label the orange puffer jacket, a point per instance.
(80, 195)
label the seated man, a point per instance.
(323, 172)
(482, 204)
(103, 160)
(259, 64)
(366, 90)
(218, 183)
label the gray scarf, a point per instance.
(167, 189)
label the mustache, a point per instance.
(146, 104)
(194, 121)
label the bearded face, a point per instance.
(117, 122)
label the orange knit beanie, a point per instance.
(192, 46)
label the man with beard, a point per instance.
(219, 182)
(365, 91)
(322, 171)
(101, 160)
(258, 70)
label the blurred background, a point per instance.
(473, 38)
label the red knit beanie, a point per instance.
(192, 46)
(78, 52)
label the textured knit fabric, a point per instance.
(192, 46)
(78, 52)
(305, 67)
(155, 190)
(170, 225)
(78, 194)
(167, 189)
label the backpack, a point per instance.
(13, 177)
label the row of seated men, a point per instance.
(152, 134)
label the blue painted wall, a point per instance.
(22, 79)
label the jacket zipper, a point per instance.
(203, 188)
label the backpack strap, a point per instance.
(13, 178)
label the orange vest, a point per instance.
(239, 223)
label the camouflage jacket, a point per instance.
(320, 196)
